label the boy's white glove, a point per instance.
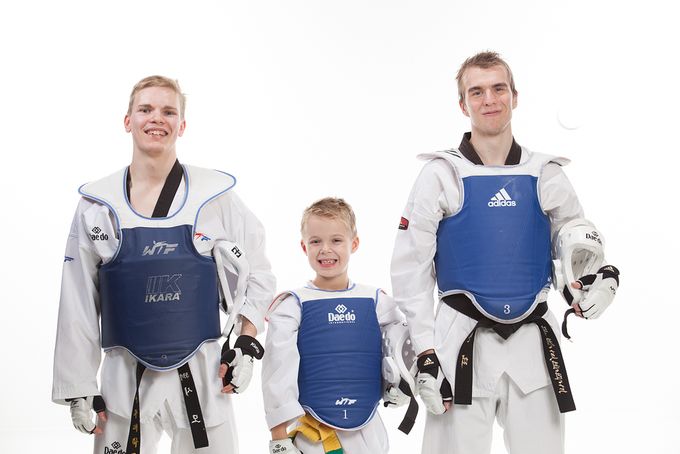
(394, 396)
(600, 289)
(284, 446)
(81, 412)
(431, 384)
(240, 362)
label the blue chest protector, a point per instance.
(496, 248)
(159, 296)
(340, 346)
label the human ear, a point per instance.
(355, 244)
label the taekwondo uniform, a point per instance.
(324, 359)
(164, 319)
(483, 233)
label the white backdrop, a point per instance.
(303, 99)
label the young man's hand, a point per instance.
(600, 289)
(430, 382)
(81, 413)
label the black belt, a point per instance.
(193, 407)
(551, 351)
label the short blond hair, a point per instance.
(484, 60)
(158, 81)
(331, 208)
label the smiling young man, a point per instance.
(479, 223)
(146, 259)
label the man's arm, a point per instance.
(77, 352)
(246, 230)
(558, 198)
(412, 268)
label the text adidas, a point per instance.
(502, 203)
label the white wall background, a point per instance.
(302, 99)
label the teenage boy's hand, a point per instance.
(236, 367)
(430, 382)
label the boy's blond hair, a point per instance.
(159, 81)
(331, 208)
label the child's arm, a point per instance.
(280, 368)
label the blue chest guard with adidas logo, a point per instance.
(159, 296)
(340, 346)
(496, 248)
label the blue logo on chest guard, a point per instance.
(341, 315)
(163, 288)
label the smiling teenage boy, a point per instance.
(323, 366)
(141, 261)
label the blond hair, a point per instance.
(484, 60)
(158, 81)
(331, 208)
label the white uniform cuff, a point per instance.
(423, 342)
(60, 394)
(286, 413)
(251, 313)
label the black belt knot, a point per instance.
(552, 353)
(193, 407)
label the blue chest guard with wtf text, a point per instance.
(159, 297)
(340, 346)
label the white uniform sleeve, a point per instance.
(77, 352)
(435, 194)
(246, 230)
(281, 363)
(387, 310)
(558, 198)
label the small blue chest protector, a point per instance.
(159, 297)
(496, 248)
(340, 346)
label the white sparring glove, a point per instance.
(240, 361)
(600, 289)
(431, 384)
(81, 412)
(394, 396)
(284, 446)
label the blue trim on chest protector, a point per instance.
(159, 296)
(498, 250)
(340, 378)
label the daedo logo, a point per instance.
(116, 448)
(341, 315)
(594, 236)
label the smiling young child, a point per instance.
(323, 370)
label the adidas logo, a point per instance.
(428, 362)
(502, 199)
